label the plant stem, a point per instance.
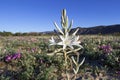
(65, 56)
(66, 66)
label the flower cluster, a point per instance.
(12, 57)
(106, 48)
(66, 39)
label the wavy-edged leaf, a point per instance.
(74, 71)
(71, 23)
(73, 59)
(66, 22)
(82, 62)
(58, 28)
(76, 31)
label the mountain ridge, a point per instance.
(110, 29)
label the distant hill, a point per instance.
(99, 29)
(111, 29)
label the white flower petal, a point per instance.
(52, 41)
(60, 43)
(71, 46)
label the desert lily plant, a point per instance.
(68, 43)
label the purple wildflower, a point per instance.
(118, 72)
(106, 48)
(16, 56)
(8, 58)
(33, 49)
(12, 57)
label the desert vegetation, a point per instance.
(61, 57)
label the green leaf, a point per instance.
(58, 28)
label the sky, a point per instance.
(39, 15)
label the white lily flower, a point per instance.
(66, 39)
(69, 41)
(52, 41)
